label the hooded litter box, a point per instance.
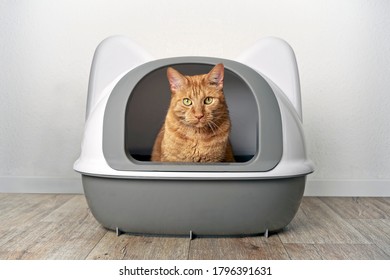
(128, 99)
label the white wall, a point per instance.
(342, 47)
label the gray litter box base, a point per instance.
(200, 207)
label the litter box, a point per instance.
(128, 98)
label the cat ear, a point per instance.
(215, 76)
(176, 80)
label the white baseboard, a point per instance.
(313, 187)
(40, 185)
(373, 188)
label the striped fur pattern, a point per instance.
(197, 125)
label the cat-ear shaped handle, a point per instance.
(113, 57)
(275, 59)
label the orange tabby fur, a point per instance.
(196, 132)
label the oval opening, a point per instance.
(149, 101)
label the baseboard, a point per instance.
(40, 185)
(373, 188)
(369, 188)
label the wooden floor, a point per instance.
(47, 226)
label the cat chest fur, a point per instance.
(193, 147)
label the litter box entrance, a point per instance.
(138, 104)
(149, 102)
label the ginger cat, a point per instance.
(197, 125)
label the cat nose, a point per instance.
(199, 116)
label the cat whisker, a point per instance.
(213, 126)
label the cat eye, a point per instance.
(187, 101)
(208, 100)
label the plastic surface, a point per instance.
(176, 207)
(144, 112)
(114, 56)
(293, 161)
(257, 196)
(275, 59)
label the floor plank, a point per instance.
(335, 252)
(47, 226)
(130, 247)
(316, 223)
(24, 210)
(246, 248)
(72, 236)
(358, 207)
(302, 251)
(377, 231)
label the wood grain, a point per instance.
(71, 236)
(358, 208)
(317, 223)
(335, 252)
(47, 226)
(376, 231)
(23, 210)
(246, 248)
(128, 247)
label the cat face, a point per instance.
(198, 101)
